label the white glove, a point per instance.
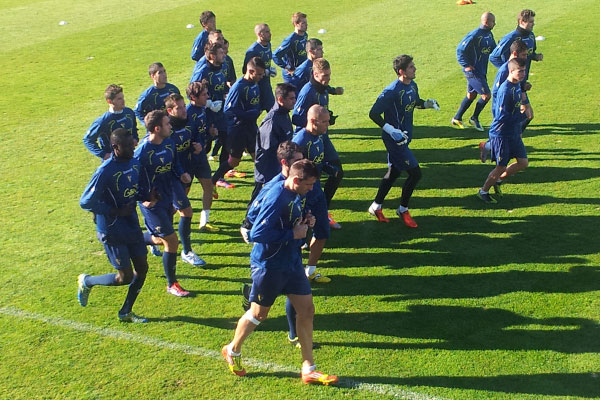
(431, 103)
(272, 72)
(400, 137)
(214, 106)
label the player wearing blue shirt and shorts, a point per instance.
(111, 195)
(208, 20)
(473, 53)
(505, 131)
(276, 268)
(396, 103)
(153, 98)
(292, 51)
(262, 49)
(97, 137)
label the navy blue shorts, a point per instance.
(399, 156)
(180, 199)
(506, 148)
(268, 283)
(329, 150)
(120, 253)
(242, 137)
(158, 220)
(317, 204)
(201, 167)
(476, 83)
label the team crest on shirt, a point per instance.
(162, 160)
(157, 229)
(129, 178)
(118, 260)
(260, 297)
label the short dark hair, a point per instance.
(112, 91)
(284, 89)
(256, 62)
(212, 48)
(205, 16)
(119, 135)
(172, 99)
(304, 169)
(518, 46)
(153, 119)
(320, 65)
(525, 15)
(195, 88)
(516, 63)
(286, 151)
(313, 43)
(154, 67)
(402, 62)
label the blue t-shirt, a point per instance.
(474, 50)
(152, 99)
(255, 206)
(501, 53)
(314, 150)
(264, 53)
(312, 93)
(507, 111)
(242, 105)
(181, 135)
(97, 137)
(116, 184)
(291, 52)
(396, 103)
(198, 46)
(301, 75)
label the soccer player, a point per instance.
(197, 92)
(317, 91)
(505, 131)
(501, 54)
(111, 195)
(262, 49)
(228, 65)
(242, 108)
(158, 156)
(518, 49)
(215, 36)
(473, 53)
(208, 20)
(396, 103)
(292, 51)
(181, 135)
(153, 98)
(311, 139)
(97, 137)
(276, 266)
(302, 74)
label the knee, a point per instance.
(415, 174)
(233, 162)
(124, 277)
(187, 212)
(471, 95)
(485, 97)
(307, 312)
(523, 162)
(171, 243)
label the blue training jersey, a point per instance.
(152, 99)
(312, 93)
(242, 105)
(116, 184)
(301, 75)
(181, 135)
(314, 149)
(162, 167)
(97, 137)
(198, 46)
(290, 53)
(501, 53)
(255, 206)
(265, 54)
(272, 232)
(275, 129)
(217, 90)
(507, 111)
(396, 103)
(474, 50)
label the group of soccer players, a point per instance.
(156, 171)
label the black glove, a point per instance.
(332, 118)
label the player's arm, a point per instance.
(247, 57)
(280, 53)
(303, 103)
(197, 48)
(139, 109)
(267, 227)
(92, 198)
(501, 52)
(90, 139)
(464, 52)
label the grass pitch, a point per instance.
(479, 302)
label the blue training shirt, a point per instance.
(474, 50)
(507, 111)
(290, 53)
(312, 93)
(198, 46)
(242, 105)
(97, 137)
(275, 129)
(181, 135)
(501, 53)
(152, 99)
(397, 103)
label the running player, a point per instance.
(262, 49)
(111, 195)
(302, 74)
(396, 103)
(97, 137)
(153, 98)
(208, 20)
(292, 51)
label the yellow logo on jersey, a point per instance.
(130, 192)
(219, 88)
(254, 101)
(163, 169)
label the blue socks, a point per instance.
(169, 261)
(479, 106)
(185, 229)
(102, 280)
(290, 313)
(464, 106)
(132, 293)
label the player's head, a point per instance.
(526, 19)
(303, 175)
(214, 53)
(516, 69)
(255, 69)
(175, 105)
(158, 73)
(314, 48)
(288, 153)
(322, 71)
(216, 36)
(122, 143)
(488, 20)
(114, 96)
(317, 120)
(157, 123)
(263, 33)
(197, 92)
(208, 20)
(405, 67)
(299, 21)
(225, 45)
(285, 94)
(518, 49)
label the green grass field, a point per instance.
(480, 302)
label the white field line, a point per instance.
(390, 390)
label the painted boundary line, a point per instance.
(390, 390)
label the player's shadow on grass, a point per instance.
(575, 384)
(464, 241)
